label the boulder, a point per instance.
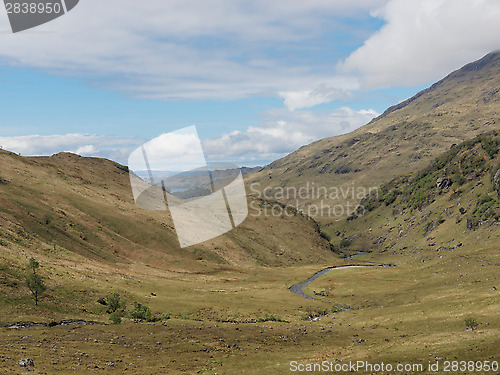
(26, 362)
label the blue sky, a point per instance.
(258, 80)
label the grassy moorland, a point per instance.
(226, 323)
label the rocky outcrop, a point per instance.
(496, 182)
(444, 183)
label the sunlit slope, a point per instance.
(67, 204)
(453, 204)
(403, 139)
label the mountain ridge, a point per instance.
(404, 138)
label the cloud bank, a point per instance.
(424, 40)
(186, 49)
(282, 132)
(110, 147)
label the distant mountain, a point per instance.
(404, 138)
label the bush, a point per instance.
(313, 313)
(459, 179)
(115, 304)
(471, 323)
(115, 318)
(165, 316)
(390, 198)
(140, 312)
(270, 318)
(344, 243)
(485, 198)
(339, 308)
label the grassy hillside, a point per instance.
(403, 139)
(77, 217)
(452, 203)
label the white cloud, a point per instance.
(310, 98)
(279, 133)
(86, 150)
(185, 49)
(424, 40)
(179, 150)
(283, 132)
(110, 147)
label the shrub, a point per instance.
(165, 316)
(471, 323)
(115, 318)
(140, 312)
(115, 304)
(270, 318)
(390, 198)
(459, 179)
(485, 198)
(325, 235)
(312, 313)
(344, 243)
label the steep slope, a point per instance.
(77, 207)
(403, 139)
(452, 204)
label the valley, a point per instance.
(225, 306)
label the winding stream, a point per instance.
(299, 288)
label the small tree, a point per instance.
(35, 282)
(115, 304)
(33, 264)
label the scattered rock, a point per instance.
(26, 362)
(469, 224)
(359, 341)
(444, 183)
